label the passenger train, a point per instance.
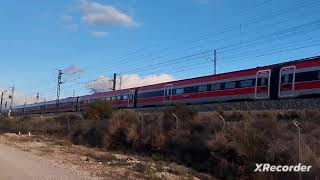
(293, 79)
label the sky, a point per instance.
(145, 42)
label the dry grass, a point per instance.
(226, 148)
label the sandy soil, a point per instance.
(40, 157)
(16, 164)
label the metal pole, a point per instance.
(177, 120)
(142, 122)
(38, 97)
(215, 61)
(59, 87)
(296, 123)
(224, 121)
(299, 132)
(114, 81)
(11, 97)
(1, 103)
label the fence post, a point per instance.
(141, 128)
(177, 120)
(224, 121)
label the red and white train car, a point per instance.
(241, 85)
(299, 79)
(294, 79)
(118, 99)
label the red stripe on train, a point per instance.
(202, 95)
(307, 64)
(307, 85)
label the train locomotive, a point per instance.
(288, 80)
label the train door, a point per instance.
(131, 97)
(286, 81)
(167, 95)
(262, 87)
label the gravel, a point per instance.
(16, 165)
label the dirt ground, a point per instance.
(96, 163)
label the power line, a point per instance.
(256, 20)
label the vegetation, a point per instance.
(225, 144)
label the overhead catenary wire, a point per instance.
(210, 35)
(256, 20)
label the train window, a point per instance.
(286, 78)
(230, 85)
(150, 94)
(246, 83)
(215, 87)
(113, 98)
(307, 76)
(202, 88)
(179, 91)
(189, 90)
(262, 81)
(125, 97)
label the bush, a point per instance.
(227, 150)
(99, 110)
(123, 130)
(89, 132)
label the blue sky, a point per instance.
(98, 38)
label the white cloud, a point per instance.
(98, 14)
(134, 80)
(73, 69)
(103, 84)
(99, 34)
